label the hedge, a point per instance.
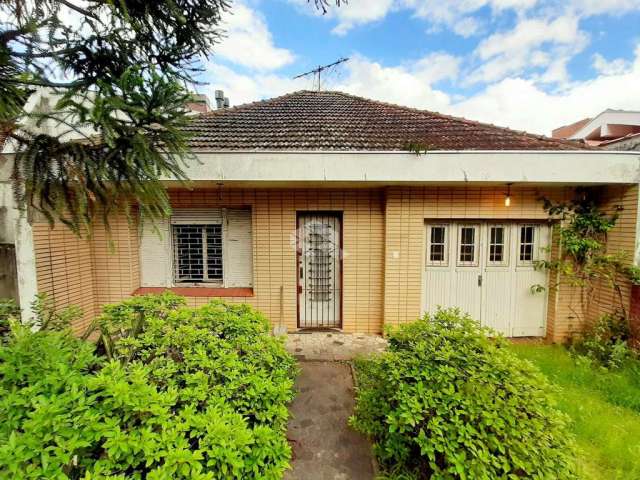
(179, 393)
(449, 402)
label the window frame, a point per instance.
(506, 250)
(476, 245)
(534, 244)
(205, 252)
(447, 234)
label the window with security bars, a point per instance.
(197, 253)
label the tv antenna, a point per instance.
(317, 72)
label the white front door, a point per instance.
(319, 270)
(487, 270)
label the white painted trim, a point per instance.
(26, 266)
(561, 168)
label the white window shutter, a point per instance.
(238, 249)
(155, 254)
(196, 216)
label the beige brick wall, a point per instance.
(87, 272)
(274, 254)
(624, 201)
(406, 211)
(64, 267)
(105, 268)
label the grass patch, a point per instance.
(604, 407)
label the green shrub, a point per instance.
(605, 342)
(193, 394)
(8, 310)
(48, 413)
(45, 315)
(446, 402)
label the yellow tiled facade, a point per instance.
(383, 242)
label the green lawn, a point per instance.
(604, 407)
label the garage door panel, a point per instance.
(494, 283)
(467, 294)
(438, 289)
(498, 304)
(529, 318)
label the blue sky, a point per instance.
(527, 64)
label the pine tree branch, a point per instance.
(45, 83)
(80, 10)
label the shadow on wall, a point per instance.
(8, 272)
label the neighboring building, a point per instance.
(311, 208)
(612, 129)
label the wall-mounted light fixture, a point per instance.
(507, 196)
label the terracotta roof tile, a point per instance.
(308, 120)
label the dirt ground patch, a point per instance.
(324, 446)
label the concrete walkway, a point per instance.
(324, 446)
(333, 345)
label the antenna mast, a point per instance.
(318, 71)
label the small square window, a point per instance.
(527, 243)
(437, 245)
(497, 245)
(467, 246)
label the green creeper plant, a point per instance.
(584, 259)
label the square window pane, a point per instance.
(437, 234)
(437, 253)
(467, 235)
(526, 252)
(467, 253)
(496, 253)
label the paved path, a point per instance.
(333, 345)
(324, 446)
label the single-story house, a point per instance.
(312, 208)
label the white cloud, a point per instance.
(523, 70)
(458, 15)
(521, 104)
(606, 67)
(437, 66)
(598, 7)
(358, 12)
(466, 27)
(532, 42)
(244, 88)
(249, 42)
(391, 84)
(517, 103)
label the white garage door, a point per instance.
(487, 270)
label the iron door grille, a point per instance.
(319, 263)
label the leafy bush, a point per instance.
(45, 315)
(195, 394)
(446, 401)
(8, 309)
(605, 342)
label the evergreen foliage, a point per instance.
(117, 69)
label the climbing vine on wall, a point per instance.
(584, 260)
